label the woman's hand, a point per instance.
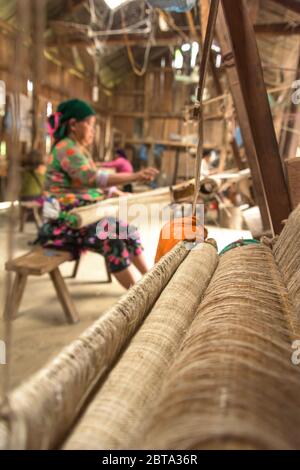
(146, 175)
(149, 174)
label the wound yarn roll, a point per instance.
(114, 417)
(49, 402)
(233, 384)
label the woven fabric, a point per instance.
(287, 255)
(50, 401)
(113, 419)
(233, 384)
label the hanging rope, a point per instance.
(139, 72)
(198, 111)
(171, 23)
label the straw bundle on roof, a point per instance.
(48, 403)
(113, 419)
(233, 384)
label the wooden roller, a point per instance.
(184, 192)
(287, 255)
(233, 384)
(209, 187)
(93, 213)
(43, 409)
(113, 419)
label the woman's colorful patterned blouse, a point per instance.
(72, 177)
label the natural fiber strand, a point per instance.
(113, 418)
(293, 173)
(287, 255)
(48, 403)
(233, 384)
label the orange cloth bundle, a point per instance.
(178, 230)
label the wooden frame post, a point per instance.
(235, 89)
(254, 112)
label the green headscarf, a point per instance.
(71, 109)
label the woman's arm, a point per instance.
(149, 174)
(84, 174)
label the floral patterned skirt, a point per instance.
(117, 241)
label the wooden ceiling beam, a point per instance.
(170, 38)
(293, 5)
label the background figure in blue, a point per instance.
(143, 156)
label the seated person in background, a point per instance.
(206, 166)
(32, 183)
(33, 179)
(32, 186)
(72, 180)
(122, 165)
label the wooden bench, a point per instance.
(36, 263)
(44, 261)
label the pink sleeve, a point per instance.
(113, 164)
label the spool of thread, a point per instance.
(208, 188)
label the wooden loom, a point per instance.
(87, 215)
(177, 364)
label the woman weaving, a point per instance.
(72, 180)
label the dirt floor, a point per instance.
(40, 331)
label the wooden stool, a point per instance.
(37, 263)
